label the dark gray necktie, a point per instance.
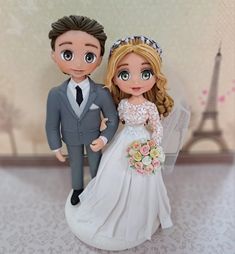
(79, 97)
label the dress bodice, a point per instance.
(140, 114)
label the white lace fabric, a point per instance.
(140, 114)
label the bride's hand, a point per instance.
(103, 125)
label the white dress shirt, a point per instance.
(85, 86)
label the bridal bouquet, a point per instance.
(145, 156)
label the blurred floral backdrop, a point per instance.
(189, 31)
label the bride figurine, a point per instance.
(127, 201)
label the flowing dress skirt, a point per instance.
(120, 208)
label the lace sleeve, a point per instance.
(121, 110)
(155, 124)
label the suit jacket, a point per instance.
(62, 123)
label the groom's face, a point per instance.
(77, 54)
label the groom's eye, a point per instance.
(124, 75)
(90, 57)
(67, 55)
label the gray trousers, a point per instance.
(76, 157)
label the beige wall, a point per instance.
(189, 32)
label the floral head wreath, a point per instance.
(144, 39)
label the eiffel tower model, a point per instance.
(210, 114)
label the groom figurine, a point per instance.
(74, 108)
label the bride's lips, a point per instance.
(136, 89)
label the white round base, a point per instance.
(101, 242)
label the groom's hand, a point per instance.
(60, 156)
(97, 145)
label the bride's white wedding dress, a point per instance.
(121, 208)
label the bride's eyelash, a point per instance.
(148, 69)
(121, 70)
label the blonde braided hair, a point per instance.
(158, 94)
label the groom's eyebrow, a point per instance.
(70, 43)
(91, 45)
(65, 42)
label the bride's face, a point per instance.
(134, 75)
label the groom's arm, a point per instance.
(109, 111)
(53, 121)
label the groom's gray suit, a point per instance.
(64, 121)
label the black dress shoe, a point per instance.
(75, 199)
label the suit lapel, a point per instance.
(63, 93)
(91, 98)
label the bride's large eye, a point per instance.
(146, 74)
(124, 75)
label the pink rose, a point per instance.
(151, 143)
(149, 168)
(145, 150)
(139, 165)
(136, 145)
(141, 171)
(155, 163)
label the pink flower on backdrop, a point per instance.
(233, 89)
(203, 103)
(145, 149)
(205, 92)
(221, 98)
